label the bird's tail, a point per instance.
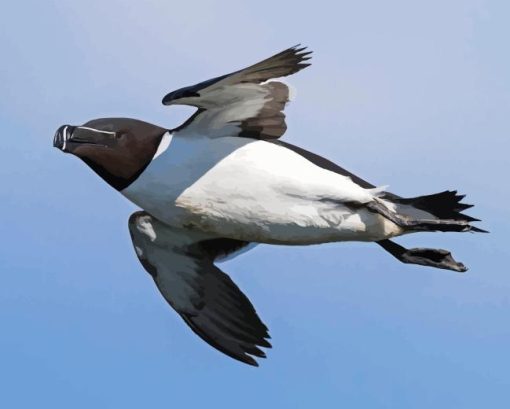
(437, 212)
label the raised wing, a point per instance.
(182, 265)
(243, 103)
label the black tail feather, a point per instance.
(477, 230)
(444, 205)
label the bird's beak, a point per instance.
(69, 137)
(62, 136)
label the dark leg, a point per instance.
(437, 258)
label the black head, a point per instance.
(117, 149)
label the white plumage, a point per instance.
(255, 191)
(222, 182)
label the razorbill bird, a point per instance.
(223, 181)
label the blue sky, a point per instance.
(411, 94)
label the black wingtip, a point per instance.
(303, 52)
(249, 360)
(296, 54)
(256, 352)
(264, 342)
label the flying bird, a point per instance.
(223, 181)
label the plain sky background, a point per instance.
(411, 94)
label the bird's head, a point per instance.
(117, 149)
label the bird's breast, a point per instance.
(242, 188)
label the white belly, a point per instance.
(254, 191)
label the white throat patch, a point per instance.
(164, 144)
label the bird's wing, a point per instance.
(243, 103)
(182, 265)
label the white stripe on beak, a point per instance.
(64, 137)
(96, 130)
